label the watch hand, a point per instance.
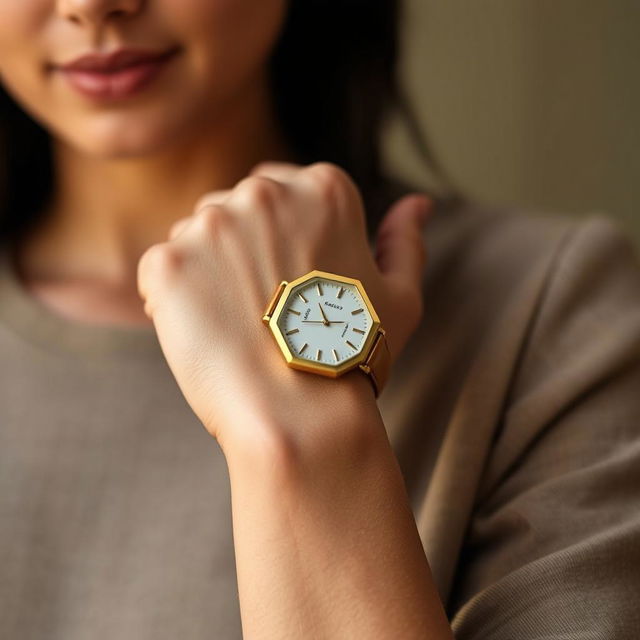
(323, 322)
(322, 312)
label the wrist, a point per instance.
(326, 419)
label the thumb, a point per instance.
(400, 247)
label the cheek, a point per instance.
(19, 19)
(229, 40)
(22, 26)
(24, 37)
(225, 42)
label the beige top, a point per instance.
(514, 413)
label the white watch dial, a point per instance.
(325, 321)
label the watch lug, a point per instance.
(377, 363)
(268, 312)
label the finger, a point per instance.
(400, 247)
(178, 227)
(212, 197)
(209, 198)
(283, 171)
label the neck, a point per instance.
(104, 213)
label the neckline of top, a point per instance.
(41, 325)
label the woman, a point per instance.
(166, 164)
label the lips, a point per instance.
(114, 61)
(115, 75)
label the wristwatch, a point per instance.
(325, 323)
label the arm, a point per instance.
(553, 547)
(324, 536)
(326, 544)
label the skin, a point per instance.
(127, 172)
(178, 208)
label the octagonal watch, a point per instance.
(325, 323)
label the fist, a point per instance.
(207, 286)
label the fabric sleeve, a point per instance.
(552, 550)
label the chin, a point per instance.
(120, 137)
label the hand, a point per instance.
(324, 318)
(207, 286)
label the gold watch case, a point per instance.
(281, 303)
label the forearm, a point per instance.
(326, 545)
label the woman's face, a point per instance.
(217, 54)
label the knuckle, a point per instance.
(328, 179)
(337, 190)
(163, 258)
(211, 197)
(203, 201)
(327, 171)
(178, 226)
(259, 167)
(212, 219)
(261, 192)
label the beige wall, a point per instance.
(535, 102)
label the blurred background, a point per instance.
(528, 102)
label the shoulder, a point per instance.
(488, 236)
(490, 251)
(494, 246)
(559, 294)
(479, 254)
(531, 337)
(489, 255)
(524, 287)
(557, 301)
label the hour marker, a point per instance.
(357, 330)
(319, 354)
(335, 355)
(353, 346)
(294, 311)
(353, 313)
(340, 292)
(302, 298)
(292, 331)
(319, 288)
(303, 347)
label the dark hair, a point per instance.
(334, 72)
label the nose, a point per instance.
(96, 11)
